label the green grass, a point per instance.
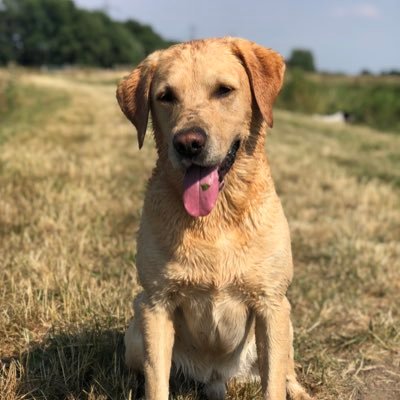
(365, 153)
(23, 105)
(372, 101)
(71, 191)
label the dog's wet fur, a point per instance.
(214, 287)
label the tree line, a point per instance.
(57, 33)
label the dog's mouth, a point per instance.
(228, 161)
(202, 184)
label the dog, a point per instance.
(213, 248)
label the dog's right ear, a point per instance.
(133, 95)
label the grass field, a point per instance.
(370, 100)
(71, 190)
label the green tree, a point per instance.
(6, 46)
(56, 32)
(302, 59)
(150, 40)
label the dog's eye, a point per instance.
(223, 91)
(166, 96)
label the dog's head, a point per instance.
(203, 96)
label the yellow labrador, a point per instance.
(213, 250)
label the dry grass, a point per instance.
(71, 188)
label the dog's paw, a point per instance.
(296, 392)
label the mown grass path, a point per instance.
(71, 190)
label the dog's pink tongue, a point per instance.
(200, 190)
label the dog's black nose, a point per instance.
(190, 142)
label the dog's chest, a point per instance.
(212, 321)
(221, 267)
(213, 315)
(211, 265)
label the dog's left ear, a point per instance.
(133, 95)
(265, 69)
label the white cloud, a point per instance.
(362, 10)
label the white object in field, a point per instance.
(339, 117)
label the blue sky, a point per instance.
(344, 35)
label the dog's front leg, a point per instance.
(273, 346)
(158, 339)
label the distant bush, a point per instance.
(369, 100)
(391, 72)
(56, 32)
(374, 105)
(301, 59)
(145, 34)
(300, 94)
